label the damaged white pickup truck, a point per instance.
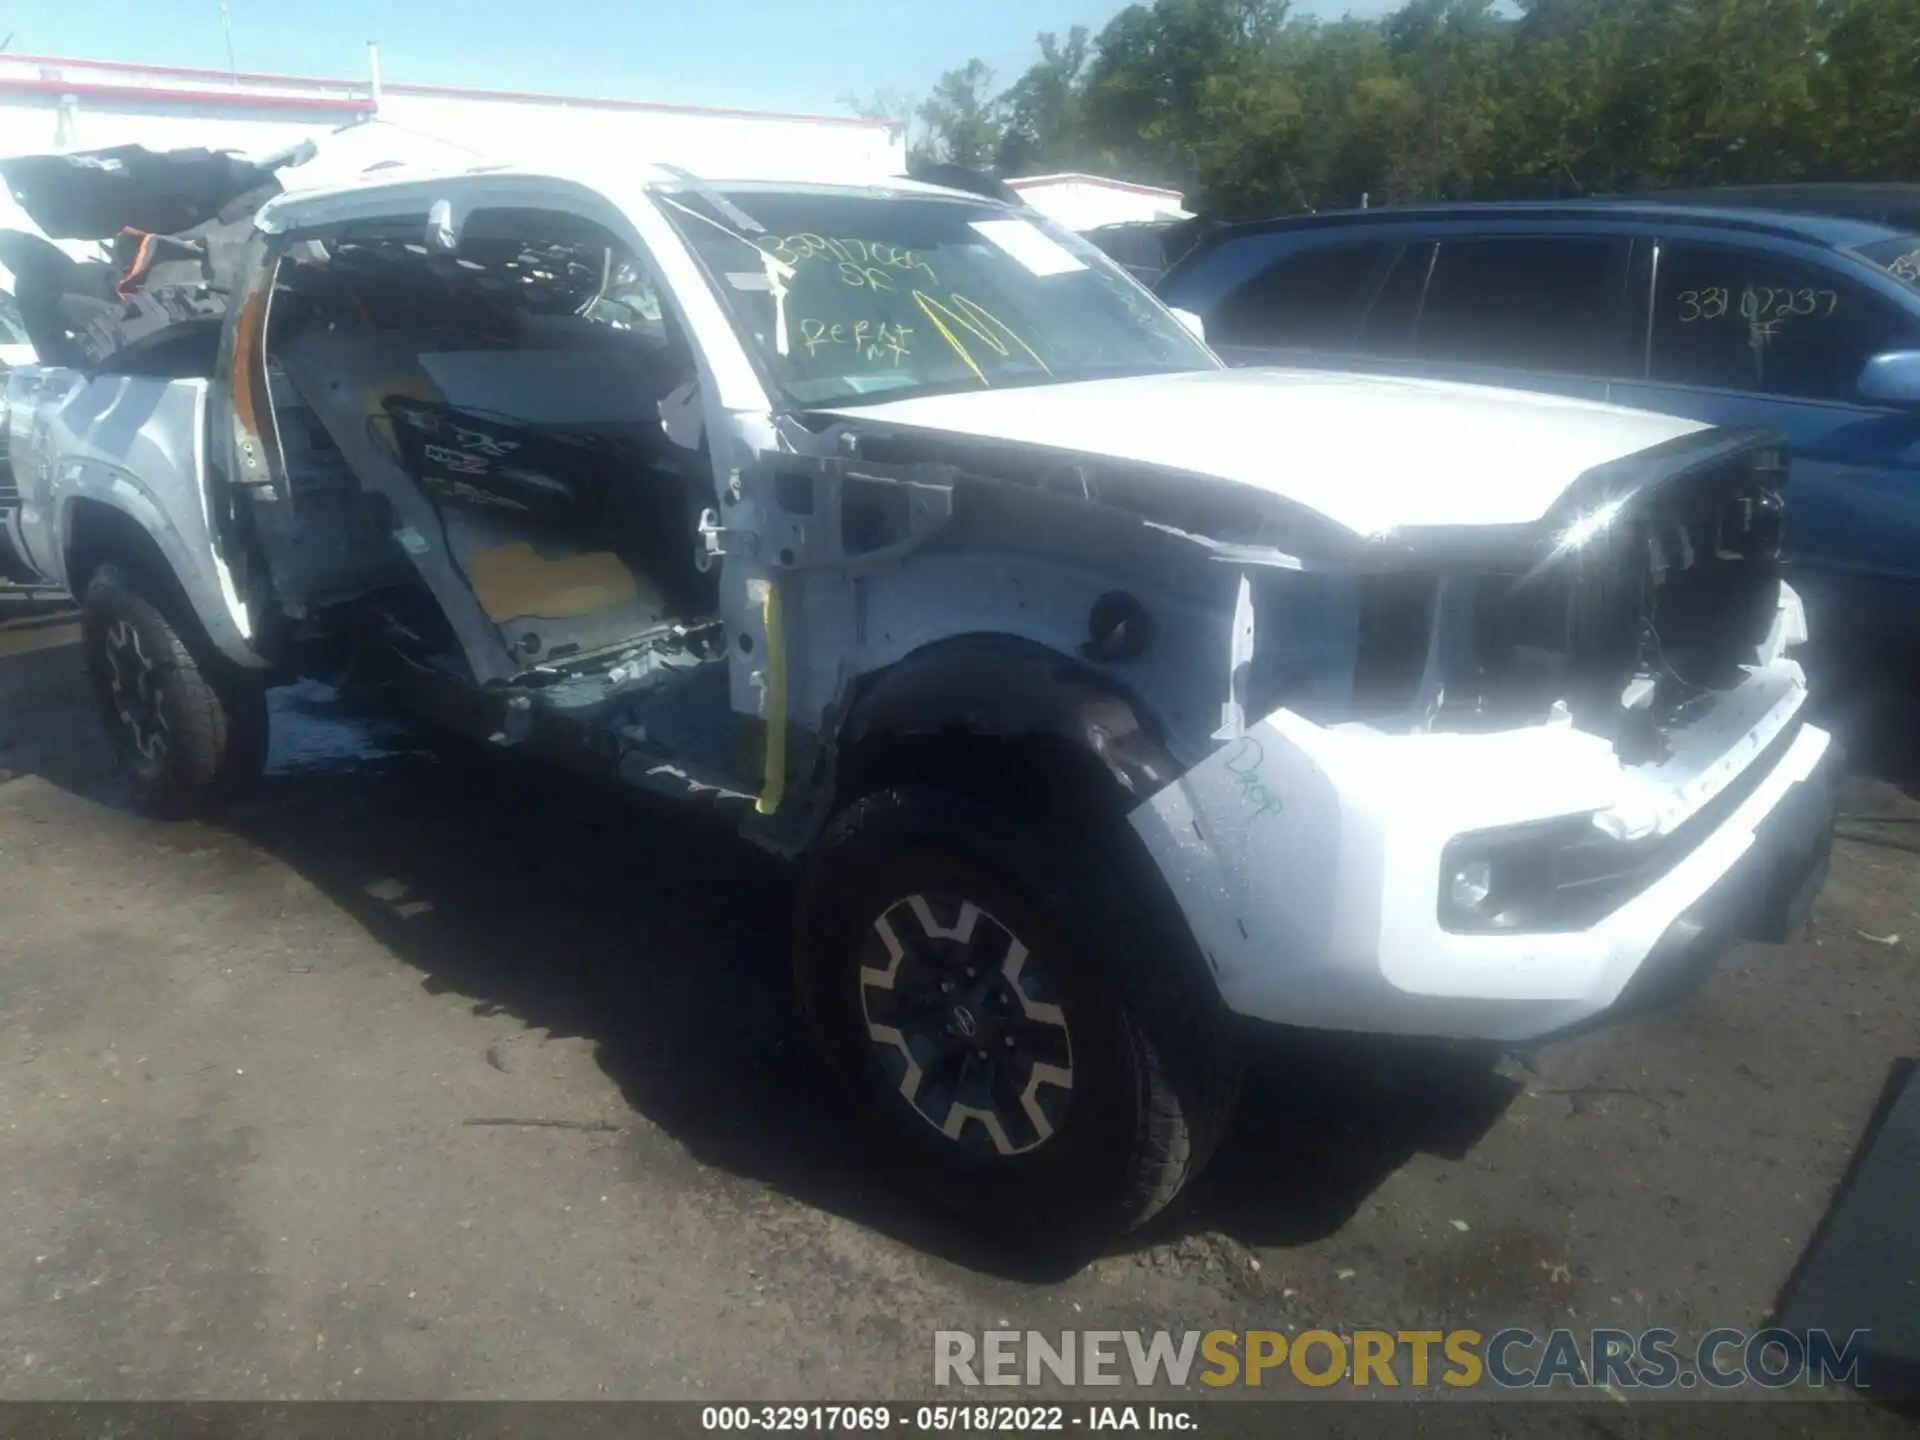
(1108, 694)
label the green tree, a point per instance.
(963, 118)
(1045, 127)
(1152, 66)
(1253, 111)
(1863, 88)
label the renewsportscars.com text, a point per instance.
(1511, 1359)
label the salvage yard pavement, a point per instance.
(426, 1075)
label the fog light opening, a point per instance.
(1516, 877)
(1470, 886)
(1487, 894)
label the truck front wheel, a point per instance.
(1017, 1027)
(188, 727)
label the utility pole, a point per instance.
(226, 24)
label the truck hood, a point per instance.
(1371, 453)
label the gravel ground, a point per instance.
(425, 1076)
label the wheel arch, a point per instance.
(99, 533)
(131, 531)
(1004, 717)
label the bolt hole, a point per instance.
(786, 557)
(746, 643)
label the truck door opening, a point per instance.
(488, 419)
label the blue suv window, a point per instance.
(1312, 297)
(1388, 329)
(1747, 320)
(1527, 302)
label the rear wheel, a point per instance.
(188, 727)
(1018, 1029)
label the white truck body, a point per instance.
(1438, 710)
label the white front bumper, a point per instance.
(1307, 862)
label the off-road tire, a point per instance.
(1155, 1064)
(214, 713)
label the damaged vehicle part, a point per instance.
(98, 194)
(1109, 696)
(172, 221)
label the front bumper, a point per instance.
(1307, 862)
(1767, 896)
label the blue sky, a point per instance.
(774, 54)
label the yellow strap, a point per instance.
(774, 783)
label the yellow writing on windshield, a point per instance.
(867, 277)
(869, 340)
(862, 263)
(959, 314)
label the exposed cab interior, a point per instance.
(475, 462)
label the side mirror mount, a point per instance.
(443, 227)
(1199, 327)
(1893, 379)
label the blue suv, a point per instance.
(1802, 322)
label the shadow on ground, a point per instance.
(664, 944)
(1870, 700)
